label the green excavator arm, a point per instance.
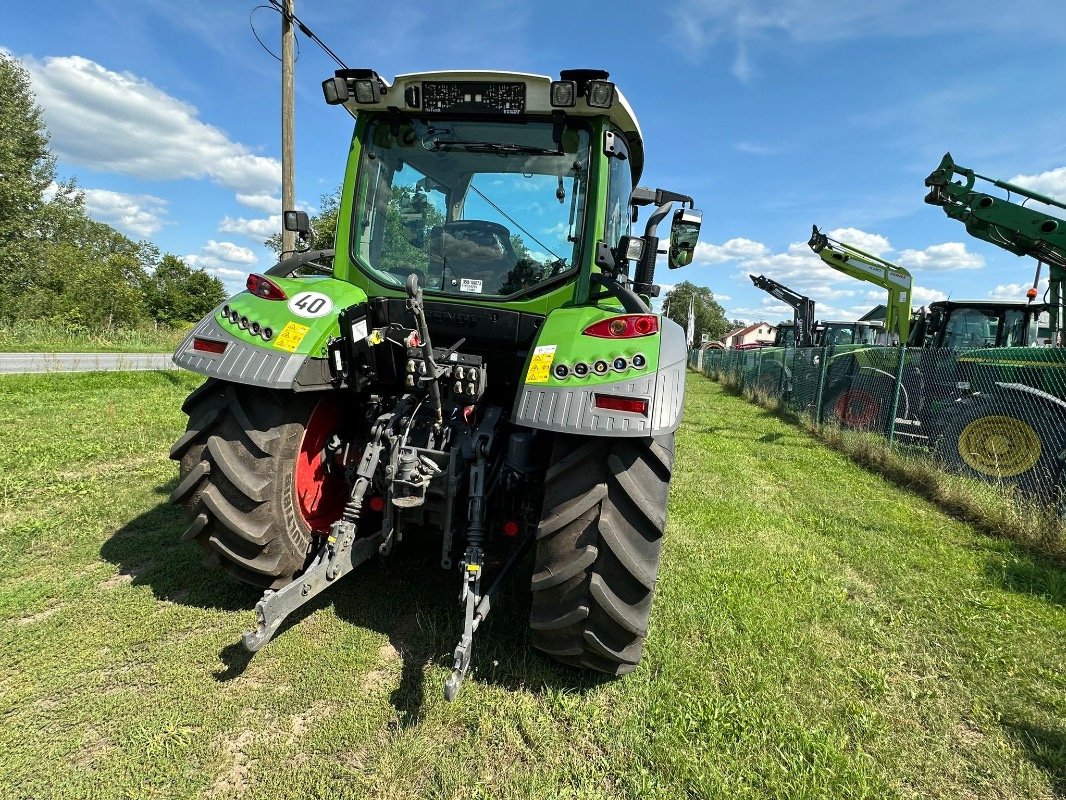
(1007, 224)
(864, 266)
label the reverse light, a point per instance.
(612, 402)
(261, 286)
(627, 326)
(208, 345)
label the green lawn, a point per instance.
(818, 632)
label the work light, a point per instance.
(335, 90)
(600, 94)
(366, 90)
(563, 94)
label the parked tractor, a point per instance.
(1012, 423)
(476, 365)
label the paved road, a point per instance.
(83, 362)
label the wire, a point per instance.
(278, 6)
(255, 33)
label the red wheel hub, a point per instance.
(320, 495)
(856, 408)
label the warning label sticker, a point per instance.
(541, 363)
(291, 336)
(469, 285)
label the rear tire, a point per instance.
(238, 461)
(598, 548)
(1010, 439)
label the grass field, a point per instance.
(817, 632)
(53, 337)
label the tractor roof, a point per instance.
(537, 101)
(952, 304)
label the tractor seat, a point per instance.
(475, 251)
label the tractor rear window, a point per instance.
(474, 207)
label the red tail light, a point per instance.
(264, 287)
(611, 402)
(627, 326)
(208, 345)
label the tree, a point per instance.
(710, 316)
(26, 168)
(323, 224)
(176, 293)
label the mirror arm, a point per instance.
(645, 272)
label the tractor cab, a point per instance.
(969, 324)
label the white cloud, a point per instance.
(1051, 183)
(140, 215)
(1016, 291)
(264, 202)
(921, 296)
(873, 243)
(732, 250)
(228, 251)
(754, 149)
(119, 122)
(259, 229)
(946, 256)
(225, 260)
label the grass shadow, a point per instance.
(1046, 749)
(1022, 573)
(407, 597)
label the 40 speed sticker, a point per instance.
(310, 304)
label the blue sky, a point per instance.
(774, 114)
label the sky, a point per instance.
(773, 114)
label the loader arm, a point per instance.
(1007, 224)
(802, 307)
(864, 266)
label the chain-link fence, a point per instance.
(998, 414)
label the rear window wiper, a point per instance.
(492, 147)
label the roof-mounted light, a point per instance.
(563, 94)
(363, 85)
(366, 90)
(600, 94)
(335, 91)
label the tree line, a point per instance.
(56, 262)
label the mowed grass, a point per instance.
(818, 632)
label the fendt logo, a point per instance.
(453, 317)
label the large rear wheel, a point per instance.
(252, 480)
(598, 549)
(1010, 439)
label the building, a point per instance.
(758, 335)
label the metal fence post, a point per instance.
(821, 385)
(895, 393)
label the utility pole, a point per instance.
(288, 133)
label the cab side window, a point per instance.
(619, 189)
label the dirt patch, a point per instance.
(95, 749)
(377, 679)
(233, 780)
(306, 720)
(33, 619)
(125, 576)
(388, 652)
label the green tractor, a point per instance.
(1011, 425)
(473, 366)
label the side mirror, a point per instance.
(297, 221)
(684, 232)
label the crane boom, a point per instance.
(1007, 224)
(864, 266)
(802, 307)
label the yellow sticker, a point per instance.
(291, 336)
(541, 363)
